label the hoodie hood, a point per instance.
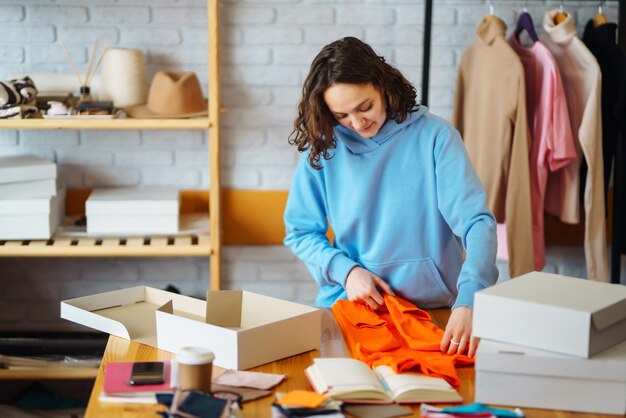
(360, 145)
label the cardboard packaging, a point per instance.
(31, 218)
(508, 374)
(551, 312)
(132, 210)
(243, 329)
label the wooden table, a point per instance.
(119, 349)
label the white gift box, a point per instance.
(132, 210)
(16, 168)
(29, 188)
(31, 218)
(552, 312)
(514, 375)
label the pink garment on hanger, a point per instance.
(553, 145)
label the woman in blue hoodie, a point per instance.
(394, 182)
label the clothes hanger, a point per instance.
(560, 16)
(492, 10)
(525, 22)
(599, 19)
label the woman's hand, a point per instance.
(362, 285)
(458, 333)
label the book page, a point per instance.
(346, 379)
(344, 373)
(416, 387)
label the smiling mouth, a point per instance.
(367, 128)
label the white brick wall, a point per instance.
(267, 46)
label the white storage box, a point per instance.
(17, 168)
(132, 211)
(29, 188)
(513, 375)
(31, 218)
(551, 312)
(243, 329)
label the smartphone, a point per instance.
(147, 373)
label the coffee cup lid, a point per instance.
(195, 355)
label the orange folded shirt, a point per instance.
(399, 335)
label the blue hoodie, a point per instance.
(404, 204)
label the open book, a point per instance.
(351, 380)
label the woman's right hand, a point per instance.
(361, 285)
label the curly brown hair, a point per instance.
(351, 61)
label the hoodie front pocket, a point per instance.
(418, 281)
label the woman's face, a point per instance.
(360, 107)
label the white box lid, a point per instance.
(25, 167)
(605, 302)
(30, 205)
(551, 312)
(499, 357)
(133, 200)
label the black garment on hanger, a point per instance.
(601, 41)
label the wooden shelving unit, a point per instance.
(107, 124)
(191, 245)
(49, 374)
(178, 246)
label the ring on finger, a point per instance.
(454, 342)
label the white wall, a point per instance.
(267, 46)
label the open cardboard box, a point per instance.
(552, 312)
(243, 329)
(508, 374)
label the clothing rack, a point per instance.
(619, 176)
(619, 181)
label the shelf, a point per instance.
(107, 124)
(198, 243)
(192, 245)
(49, 374)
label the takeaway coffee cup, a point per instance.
(195, 367)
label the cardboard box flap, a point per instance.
(239, 309)
(610, 315)
(131, 315)
(223, 308)
(167, 308)
(94, 321)
(87, 305)
(252, 316)
(495, 356)
(137, 318)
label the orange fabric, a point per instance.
(302, 399)
(399, 335)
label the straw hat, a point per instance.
(172, 95)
